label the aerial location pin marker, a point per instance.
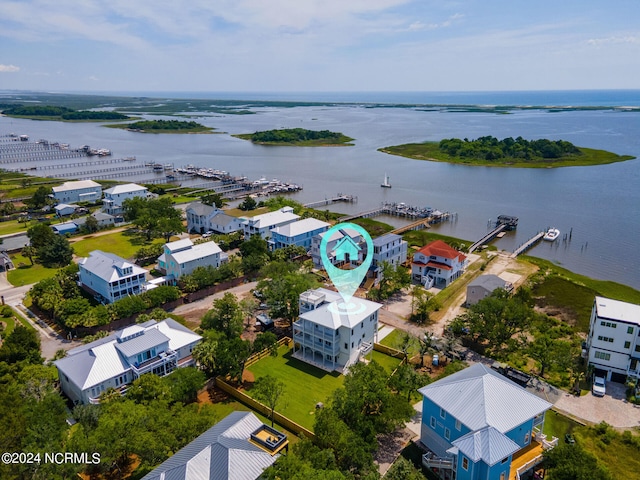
(346, 281)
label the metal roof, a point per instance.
(126, 188)
(480, 397)
(196, 252)
(301, 226)
(331, 316)
(385, 239)
(617, 310)
(200, 209)
(102, 265)
(223, 452)
(178, 245)
(147, 340)
(76, 185)
(271, 219)
(490, 282)
(92, 364)
(486, 444)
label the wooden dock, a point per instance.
(528, 244)
(328, 201)
(488, 237)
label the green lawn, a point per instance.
(124, 244)
(557, 425)
(25, 273)
(373, 227)
(236, 212)
(306, 385)
(394, 340)
(12, 226)
(9, 324)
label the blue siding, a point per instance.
(519, 433)
(498, 468)
(473, 470)
(430, 409)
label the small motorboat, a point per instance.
(551, 235)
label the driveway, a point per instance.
(613, 408)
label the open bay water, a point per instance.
(600, 205)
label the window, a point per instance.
(607, 356)
(433, 422)
(465, 463)
(505, 460)
(605, 339)
(526, 438)
(503, 475)
(627, 344)
(443, 414)
(609, 324)
(346, 346)
(447, 433)
(630, 330)
(637, 348)
(458, 425)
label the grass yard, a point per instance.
(306, 385)
(419, 238)
(557, 425)
(389, 363)
(12, 226)
(25, 273)
(124, 244)
(619, 454)
(394, 339)
(9, 324)
(373, 227)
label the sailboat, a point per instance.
(386, 183)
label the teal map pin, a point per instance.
(346, 249)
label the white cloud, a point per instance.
(9, 68)
(615, 39)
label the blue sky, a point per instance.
(319, 45)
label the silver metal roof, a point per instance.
(98, 361)
(126, 188)
(146, 341)
(196, 252)
(329, 314)
(490, 282)
(223, 452)
(386, 238)
(486, 444)
(301, 226)
(102, 265)
(75, 185)
(480, 397)
(199, 208)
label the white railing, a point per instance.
(430, 460)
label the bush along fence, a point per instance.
(263, 409)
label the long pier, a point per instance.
(328, 201)
(419, 225)
(74, 165)
(528, 244)
(488, 237)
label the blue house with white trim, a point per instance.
(479, 425)
(299, 233)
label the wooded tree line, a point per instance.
(490, 148)
(290, 135)
(164, 125)
(62, 112)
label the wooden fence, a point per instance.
(265, 353)
(263, 409)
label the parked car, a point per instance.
(599, 387)
(207, 234)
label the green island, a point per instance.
(299, 137)
(51, 112)
(508, 152)
(163, 126)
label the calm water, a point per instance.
(600, 204)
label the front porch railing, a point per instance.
(430, 460)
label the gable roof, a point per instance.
(486, 444)
(490, 282)
(103, 265)
(267, 220)
(439, 248)
(196, 252)
(385, 239)
(178, 245)
(95, 362)
(76, 185)
(301, 226)
(126, 188)
(200, 209)
(223, 452)
(480, 397)
(329, 314)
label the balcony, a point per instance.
(530, 456)
(430, 460)
(162, 359)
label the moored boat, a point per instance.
(551, 235)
